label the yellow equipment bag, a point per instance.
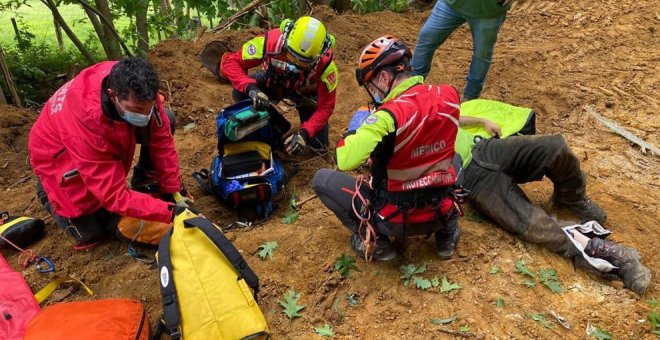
(205, 284)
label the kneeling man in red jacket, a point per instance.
(82, 146)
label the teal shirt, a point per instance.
(478, 8)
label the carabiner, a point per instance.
(49, 265)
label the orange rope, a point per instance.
(370, 237)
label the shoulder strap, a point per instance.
(227, 248)
(171, 317)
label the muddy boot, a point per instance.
(383, 252)
(583, 207)
(635, 276)
(447, 239)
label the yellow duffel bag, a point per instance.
(205, 284)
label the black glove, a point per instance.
(296, 143)
(259, 99)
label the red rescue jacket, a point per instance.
(322, 80)
(82, 156)
(419, 154)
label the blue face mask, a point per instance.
(377, 99)
(135, 119)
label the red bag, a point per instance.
(116, 319)
(17, 304)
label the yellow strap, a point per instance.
(11, 223)
(45, 292)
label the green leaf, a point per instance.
(326, 330)
(444, 321)
(494, 270)
(529, 283)
(654, 319)
(521, 268)
(446, 286)
(407, 271)
(266, 250)
(464, 329)
(292, 202)
(549, 278)
(653, 302)
(554, 286)
(352, 299)
(435, 282)
(499, 303)
(421, 269)
(540, 318)
(421, 283)
(290, 218)
(344, 265)
(599, 334)
(290, 305)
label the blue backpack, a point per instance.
(246, 174)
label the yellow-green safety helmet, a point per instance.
(306, 40)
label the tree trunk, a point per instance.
(165, 7)
(113, 53)
(141, 9)
(58, 34)
(16, 31)
(8, 80)
(96, 23)
(3, 100)
(74, 39)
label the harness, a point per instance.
(405, 202)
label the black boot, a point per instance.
(583, 207)
(635, 275)
(446, 239)
(383, 252)
(144, 180)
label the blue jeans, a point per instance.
(442, 22)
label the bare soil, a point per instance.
(556, 57)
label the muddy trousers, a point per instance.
(305, 105)
(103, 223)
(499, 165)
(335, 189)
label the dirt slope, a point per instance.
(554, 56)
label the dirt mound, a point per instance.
(14, 128)
(555, 57)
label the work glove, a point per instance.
(296, 143)
(181, 200)
(178, 210)
(259, 99)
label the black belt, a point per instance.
(415, 198)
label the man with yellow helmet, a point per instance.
(297, 65)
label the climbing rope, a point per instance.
(364, 215)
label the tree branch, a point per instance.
(108, 23)
(249, 7)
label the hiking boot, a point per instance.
(143, 180)
(585, 208)
(383, 252)
(446, 243)
(635, 275)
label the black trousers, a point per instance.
(335, 189)
(305, 105)
(499, 165)
(103, 223)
